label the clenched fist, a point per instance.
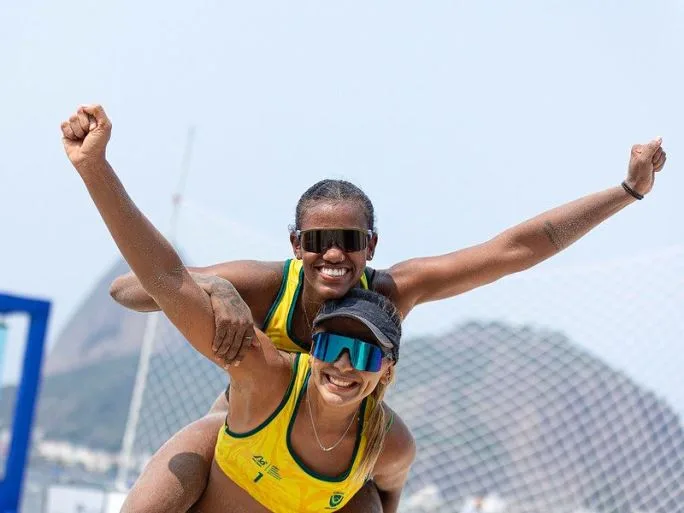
(645, 160)
(85, 136)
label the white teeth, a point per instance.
(340, 382)
(333, 271)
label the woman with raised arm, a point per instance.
(302, 432)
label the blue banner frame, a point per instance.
(27, 393)
(3, 343)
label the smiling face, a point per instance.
(333, 272)
(339, 383)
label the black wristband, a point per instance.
(632, 192)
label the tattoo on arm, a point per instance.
(234, 298)
(228, 293)
(219, 288)
(552, 235)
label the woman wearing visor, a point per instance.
(273, 452)
(332, 239)
(283, 462)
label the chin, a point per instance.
(332, 399)
(332, 291)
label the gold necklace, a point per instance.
(323, 448)
(306, 318)
(308, 322)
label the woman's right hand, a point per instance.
(85, 136)
(234, 323)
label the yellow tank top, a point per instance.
(278, 323)
(263, 463)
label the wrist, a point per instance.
(631, 190)
(92, 167)
(640, 187)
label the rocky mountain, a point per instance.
(530, 417)
(100, 331)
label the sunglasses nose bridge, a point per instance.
(333, 253)
(332, 240)
(343, 361)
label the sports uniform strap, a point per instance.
(279, 296)
(370, 276)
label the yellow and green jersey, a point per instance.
(278, 323)
(263, 462)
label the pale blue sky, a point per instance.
(459, 119)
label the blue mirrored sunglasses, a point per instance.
(364, 356)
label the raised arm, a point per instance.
(149, 254)
(428, 279)
(393, 465)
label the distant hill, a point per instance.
(100, 331)
(73, 403)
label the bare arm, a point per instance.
(393, 465)
(150, 255)
(237, 304)
(256, 283)
(152, 258)
(129, 292)
(428, 279)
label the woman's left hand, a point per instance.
(645, 160)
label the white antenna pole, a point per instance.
(149, 336)
(136, 401)
(178, 197)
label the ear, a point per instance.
(386, 378)
(296, 246)
(370, 250)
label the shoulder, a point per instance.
(381, 282)
(252, 270)
(399, 449)
(388, 282)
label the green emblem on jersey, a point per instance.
(336, 499)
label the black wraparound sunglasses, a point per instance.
(347, 239)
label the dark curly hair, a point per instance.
(334, 190)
